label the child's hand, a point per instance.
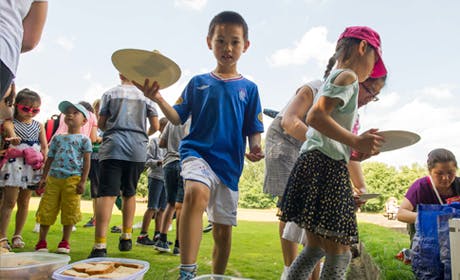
(369, 143)
(255, 154)
(81, 187)
(41, 187)
(151, 92)
(358, 156)
(14, 140)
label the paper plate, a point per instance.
(396, 139)
(366, 196)
(138, 65)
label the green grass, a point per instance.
(255, 253)
(383, 244)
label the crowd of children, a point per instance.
(196, 163)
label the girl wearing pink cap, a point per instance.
(319, 196)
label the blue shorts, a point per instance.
(173, 182)
(157, 194)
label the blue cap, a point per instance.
(64, 105)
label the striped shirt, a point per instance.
(28, 132)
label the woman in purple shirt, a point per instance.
(441, 184)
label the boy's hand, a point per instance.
(151, 92)
(41, 187)
(255, 154)
(81, 187)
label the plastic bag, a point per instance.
(426, 259)
(294, 233)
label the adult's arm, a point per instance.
(406, 212)
(33, 25)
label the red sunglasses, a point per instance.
(27, 109)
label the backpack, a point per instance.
(51, 125)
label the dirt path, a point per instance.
(266, 215)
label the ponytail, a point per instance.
(343, 52)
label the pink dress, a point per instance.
(85, 130)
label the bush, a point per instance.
(251, 185)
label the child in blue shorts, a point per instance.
(64, 177)
(225, 111)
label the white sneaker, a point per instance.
(36, 228)
(74, 228)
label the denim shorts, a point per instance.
(157, 194)
(174, 184)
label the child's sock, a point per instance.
(156, 233)
(176, 244)
(100, 243)
(127, 233)
(163, 237)
(335, 266)
(304, 264)
(188, 269)
(143, 233)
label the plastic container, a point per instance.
(218, 277)
(30, 265)
(57, 275)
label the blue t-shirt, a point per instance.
(224, 113)
(68, 152)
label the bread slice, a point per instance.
(111, 275)
(82, 267)
(74, 273)
(101, 269)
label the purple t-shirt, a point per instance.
(421, 192)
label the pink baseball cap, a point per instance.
(372, 37)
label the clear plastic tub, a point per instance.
(30, 265)
(218, 277)
(57, 275)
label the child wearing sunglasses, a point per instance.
(21, 171)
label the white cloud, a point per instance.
(192, 4)
(312, 46)
(435, 122)
(66, 43)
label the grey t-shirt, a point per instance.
(125, 136)
(173, 134)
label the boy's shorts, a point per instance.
(174, 184)
(223, 202)
(157, 194)
(119, 175)
(60, 194)
(94, 177)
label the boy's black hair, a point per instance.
(228, 17)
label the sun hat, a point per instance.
(64, 105)
(138, 65)
(373, 38)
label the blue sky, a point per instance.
(290, 44)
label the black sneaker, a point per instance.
(208, 228)
(144, 241)
(90, 223)
(176, 251)
(98, 253)
(125, 245)
(162, 246)
(115, 229)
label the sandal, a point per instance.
(17, 242)
(4, 244)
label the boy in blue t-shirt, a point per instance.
(64, 177)
(225, 109)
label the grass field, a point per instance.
(255, 253)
